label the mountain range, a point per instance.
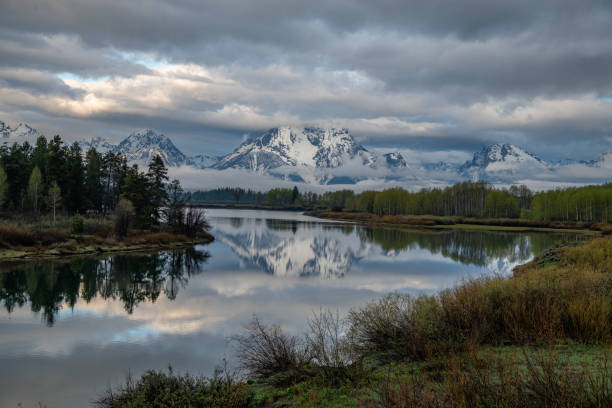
(323, 156)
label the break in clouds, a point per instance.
(431, 76)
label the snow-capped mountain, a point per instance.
(289, 146)
(203, 161)
(500, 160)
(604, 161)
(395, 160)
(5, 130)
(140, 147)
(101, 145)
(21, 133)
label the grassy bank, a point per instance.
(540, 338)
(21, 240)
(436, 222)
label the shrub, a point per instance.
(159, 390)
(123, 217)
(77, 224)
(195, 223)
(264, 351)
(11, 235)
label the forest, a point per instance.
(467, 199)
(42, 185)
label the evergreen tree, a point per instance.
(35, 185)
(3, 187)
(295, 194)
(158, 176)
(74, 184)
(40, 157)
(137, 189)
(93, 180)
(175, 209)
(114, 170)
(56, 162)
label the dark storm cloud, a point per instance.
(436, 74)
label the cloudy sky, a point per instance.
(436, 75)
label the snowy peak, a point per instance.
(604, 161)
(101, 145)
(502, 158)
(140, 147)
(395, 160)
(5, 130)
(293, 146)
(21, 133)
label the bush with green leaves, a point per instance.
(77, 224)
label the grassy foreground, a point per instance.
(46, 239)
(438, 222)
(541, 338)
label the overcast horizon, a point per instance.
(436, 77)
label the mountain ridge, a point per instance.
(323, 156)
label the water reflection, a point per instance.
(292, 248)
(142, 312)
(132, 279)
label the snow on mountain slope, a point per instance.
(101, 145)
(289, 146)
(5, 130)
(140, 147)
(203, 161)
(395, 160)
(500, 160)
(21, 133)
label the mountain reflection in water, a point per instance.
(107, 316)
(292, 248)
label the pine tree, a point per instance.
(93, 180)
(3, 187)
(74, 184)
(35, 189)
(158, 176)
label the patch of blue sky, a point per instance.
(142, 59)
(78, 78)
(134, 335)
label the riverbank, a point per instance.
(247, 206)
(447, 223)
(541, 337)
(22, 242)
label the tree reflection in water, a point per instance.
(467, 247)
(130, 278)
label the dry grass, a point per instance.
(154, 238)
(538, 305)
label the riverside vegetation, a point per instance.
(540, 338)
(56, 201)
(473, 203)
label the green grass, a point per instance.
(541, 338)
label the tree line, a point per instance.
(466, 199)
(52, 177)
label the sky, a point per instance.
(435, 76)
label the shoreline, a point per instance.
(28, 254)
(437, 223)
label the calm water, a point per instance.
(68, 330)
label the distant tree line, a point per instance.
(466, 199)
(52, 177)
